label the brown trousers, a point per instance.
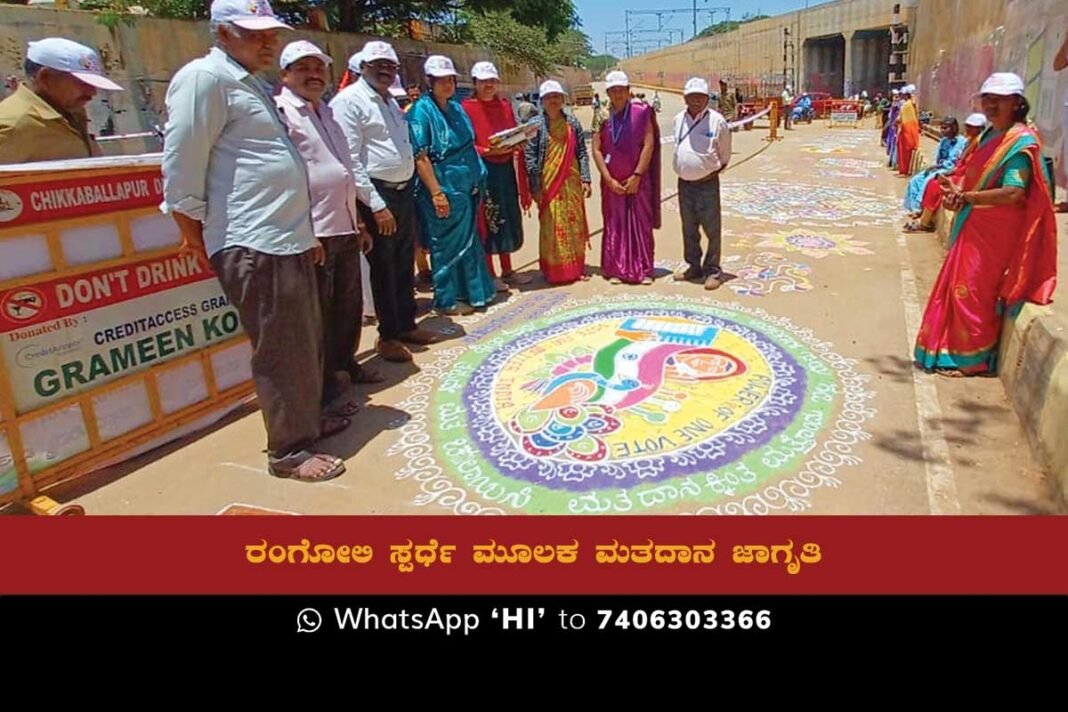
(275, 298)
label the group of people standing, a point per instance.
(283, 192)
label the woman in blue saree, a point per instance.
(451, 179)
(950, 148)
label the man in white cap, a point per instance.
(45, 119)
(337, 225)
(238, 188)
(384, 166)
(702, 151)
(1060, 63)
(787, 106)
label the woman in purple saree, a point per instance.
(627, 153)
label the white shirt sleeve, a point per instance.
(347, 116)
(196, 115)
(723, 142)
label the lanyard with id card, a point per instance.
(617, 132)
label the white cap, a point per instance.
(695, 85)
(300, 49)
(376, 50)
(895, 91)
(247, 14)
(616, 79)
(551, 86)
(354, 63)
(484, 70)
(63, 55)
(977, 120)
(397, 88)
(438, 65)
(1003, 84)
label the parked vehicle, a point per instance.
(583, 95)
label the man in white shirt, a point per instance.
(702, 151)
(384, 166)
(238, 189)
(337, 225)
(786, 109)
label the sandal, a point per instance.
(332, 425)
(949, 373)
(312, 468)
(917, 226)
(344, 410)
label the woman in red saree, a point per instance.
(500, 220)
(908, 132)
(558, 168)
(1003, 241)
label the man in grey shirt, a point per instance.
(238, 188)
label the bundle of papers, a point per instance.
(514, 136)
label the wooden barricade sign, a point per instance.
(846, 113)
(112, 339)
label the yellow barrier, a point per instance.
(112, 340)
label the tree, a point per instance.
(601, 63)
(572, 49)
(502, 33)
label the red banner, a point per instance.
(47, 200)
(66, 296)
(534, 555)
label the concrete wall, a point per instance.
(954, 46)
(958, 43)
(144, 57)
(752, 55)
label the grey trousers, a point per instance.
(341, 305)
(276, 301)
(700, 208)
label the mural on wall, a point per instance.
(633, 403)
(1024, 41)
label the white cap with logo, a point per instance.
(616, 79)
(247, 14)
(695, 85)
(551, 86)
(1003, 84)
(396, 89)
(300, 49)
(484, 70)
(977, 120)
(78, 60)
(438, 65)
(376, 50)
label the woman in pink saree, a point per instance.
(1003, 242)
(627, 153)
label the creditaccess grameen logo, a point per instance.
(10, 206)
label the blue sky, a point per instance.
(600, 16)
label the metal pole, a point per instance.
(695, 18)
